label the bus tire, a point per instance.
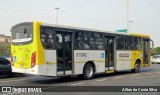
(136, 67)
(88, 71)
(20, 75)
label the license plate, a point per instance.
(22, 65)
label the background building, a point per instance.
(5, 39)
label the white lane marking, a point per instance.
(13, 80)
(147, 73)
(77, 83)
(119, 77)
(101, 80)
(134, 75)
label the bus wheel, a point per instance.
(136, 67)
(20, 75)
(88, 72)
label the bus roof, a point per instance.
(85, 29)
(95, 30)
(140, 35)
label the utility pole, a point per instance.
(130, 22)
(128, 16)
(57, 14)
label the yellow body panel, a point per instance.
(140, 52)
(39, 49)
(135, 56)
(22, 54)
(109, 71)
(140, 35)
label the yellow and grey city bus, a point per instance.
(55, 50)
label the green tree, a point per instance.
(4, 49)
(156, 51)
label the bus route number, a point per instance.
(81, 54)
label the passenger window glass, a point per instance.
(120, 43)
(47, 37)
(97, 41)
(129, 43)
(82, 40)
(137, 43)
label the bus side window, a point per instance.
(78, 45)
(128, 43)
(78, 36)
(120, 42)
(82, 40)
(137, 43)
(100, 46)
(86, 45)
(96, 41)
(49, 43)
(47, 37)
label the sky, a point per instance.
(95, 14)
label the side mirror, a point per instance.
(152, 44)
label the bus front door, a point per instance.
(64, 52)
(146, 59)
(109, 52)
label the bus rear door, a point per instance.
(64, 52)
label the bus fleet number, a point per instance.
(81, 54)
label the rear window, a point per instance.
(22, 33)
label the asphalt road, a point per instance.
(149, 76)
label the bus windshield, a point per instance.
(22, 33)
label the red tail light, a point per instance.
(12, 60)
(33, 61)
